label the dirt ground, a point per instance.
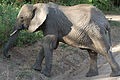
(68, 63)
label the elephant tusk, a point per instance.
(13, 32)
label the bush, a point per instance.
(28, 38)
(7, 18)
(103, 4)
(73, 2)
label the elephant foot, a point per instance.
(37, 67)
(115, 74)
(46, 73)
(92, 73)
(7, 56)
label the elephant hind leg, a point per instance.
(93, 70)
(103, 47)
(114, 65)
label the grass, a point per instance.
(114, 23)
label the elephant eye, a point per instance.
(21, 17)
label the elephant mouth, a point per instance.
(20, 28)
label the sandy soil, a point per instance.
(68, 63)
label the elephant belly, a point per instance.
(78, 39)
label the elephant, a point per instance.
(82, 26)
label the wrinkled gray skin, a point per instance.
(82, 26)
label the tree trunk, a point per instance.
(116, 2)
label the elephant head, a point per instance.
(30, 17)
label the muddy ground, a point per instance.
(68, 63)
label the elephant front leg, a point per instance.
(37, 66)
(49, 43)
(93, 70)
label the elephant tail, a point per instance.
(109, 34)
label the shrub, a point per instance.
(7, 18)
(102, 4)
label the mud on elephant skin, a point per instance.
(82, 26)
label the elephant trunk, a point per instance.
(10, 43)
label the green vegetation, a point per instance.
(7, 19)
(10, 8)
(102, 4)
(115, 23)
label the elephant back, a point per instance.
(79, 15)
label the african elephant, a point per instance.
(82, 26)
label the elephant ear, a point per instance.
(39, 16)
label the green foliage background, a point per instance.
(10, 8)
